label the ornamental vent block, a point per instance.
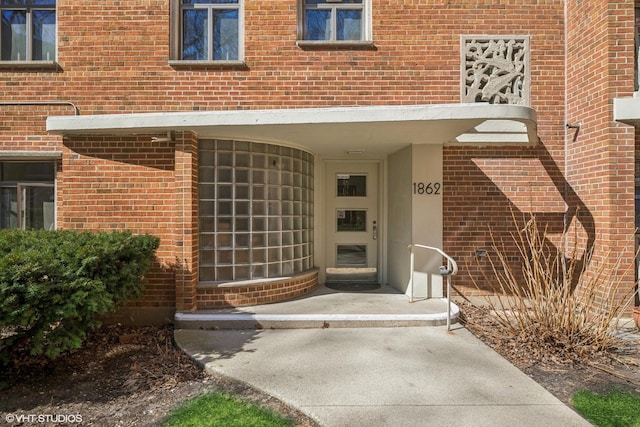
(495, 69)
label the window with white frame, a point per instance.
(210, 30)
(28, 30)
(334, 20)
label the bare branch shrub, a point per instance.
(561, 305)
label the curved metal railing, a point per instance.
(449, 271)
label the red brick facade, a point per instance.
(113, 57)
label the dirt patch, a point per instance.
(121, 377)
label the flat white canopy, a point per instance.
(627, 110)
(376, 130)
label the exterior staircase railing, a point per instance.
(449, 271)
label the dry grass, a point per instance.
(561, 304)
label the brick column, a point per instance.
(186, 233)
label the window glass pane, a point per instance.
(349, 25)
(351, 256)
(44, 35)
(313, 2)
(225, 175)
(27, 171)
(209, 1)
(225, 192)
(318, 24)
(225, 35)
(39, 208)
(14, 35)
(351, 220)
(224, 224)
(195, 35)
(8, 208)
(224, 273)
(22, 3)
(351, 186)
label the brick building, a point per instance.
(274, 145)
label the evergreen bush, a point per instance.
(55, 285)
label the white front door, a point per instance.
(351, 221)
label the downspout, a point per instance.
(566, 102)
(76, 110)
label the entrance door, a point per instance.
(352, 222)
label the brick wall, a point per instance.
(123, 183)
(257, 292)
(113, 58)
(600, 158)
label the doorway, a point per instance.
(352, 224)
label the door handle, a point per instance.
(375, 231)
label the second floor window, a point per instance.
(210, 30)
(28, 30)
(334, 20)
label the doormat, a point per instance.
(353, 286)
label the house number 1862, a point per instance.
(428, 188)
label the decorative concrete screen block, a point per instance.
(495, 69)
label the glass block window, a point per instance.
(256, 211)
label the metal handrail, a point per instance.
(450, 271)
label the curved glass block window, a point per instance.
(256, 211)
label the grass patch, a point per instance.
(614, 409)
(220, 409)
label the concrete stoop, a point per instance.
(383, 307)
(212, 320)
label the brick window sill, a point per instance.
(335, 45)
(234, 65)
(29, 65)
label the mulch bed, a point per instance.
(122, 376)
(125, 376)
(561, 375)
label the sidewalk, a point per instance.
(408, 376)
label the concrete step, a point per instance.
(221, 320)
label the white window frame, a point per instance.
(177, 31)
(334, 5)
(29, 36)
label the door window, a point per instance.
(351, 220)
(351, 256)
(351, 185)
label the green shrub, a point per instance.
(54, 285)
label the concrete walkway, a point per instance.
(408, 376)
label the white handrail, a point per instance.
(451, 270)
